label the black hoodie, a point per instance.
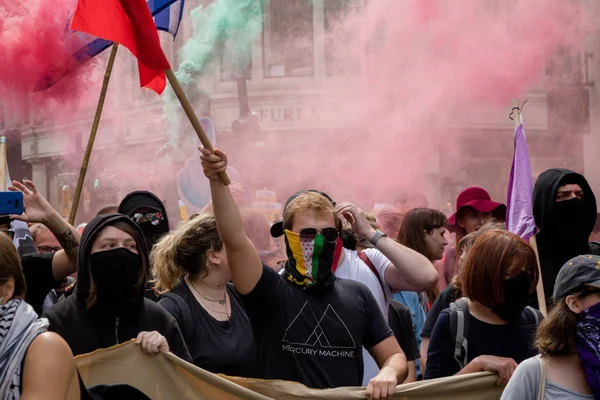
(86, 330)
(559, 238)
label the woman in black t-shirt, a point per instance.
(499, 274)
(453, 291)
(192, 275)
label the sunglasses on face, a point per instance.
(153, 218)
(329, 234)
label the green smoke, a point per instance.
(235, 23)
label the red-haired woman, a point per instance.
(499, 274)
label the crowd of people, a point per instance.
(329, 296)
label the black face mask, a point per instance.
(516, 296)
(572, 216)
(115, 273)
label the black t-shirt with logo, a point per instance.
(313, 337)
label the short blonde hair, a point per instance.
(312, 201)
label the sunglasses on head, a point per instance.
(153, 218)
(329, 234)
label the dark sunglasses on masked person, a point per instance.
(152, 218)
(329, 234)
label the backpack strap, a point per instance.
(537, 315)
(366, 260)
(186, 314)
(542, 385)
(459, 329)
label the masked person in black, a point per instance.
(108, 307)
(490, 329)
(146, 210)
(564, 208)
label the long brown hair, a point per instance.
(10, 267)
(416, 223)
(184, 251)
(143, 273)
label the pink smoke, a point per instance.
(423, 68)
(31, 44)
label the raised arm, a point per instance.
(37, 209)
(409, 270)
(243, 259)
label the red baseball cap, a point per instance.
(474, 197)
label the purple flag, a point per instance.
(519, 213)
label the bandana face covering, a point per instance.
(588, 346)
(311, 262)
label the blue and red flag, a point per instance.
(167, 15)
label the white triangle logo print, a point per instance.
(326, 332)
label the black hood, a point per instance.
(90, 233)
(544, 200)
(139, 200)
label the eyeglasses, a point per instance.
(329, 234)
(153, 218)
(48, 249)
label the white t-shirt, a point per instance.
(355, 269)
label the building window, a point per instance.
(337, 37)
(288, 38)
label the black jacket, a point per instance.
(559, 241)
(86, 330)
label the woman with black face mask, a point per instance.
(569, 365)
(491, 328)
(108, 307)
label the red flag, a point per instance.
(129, 23)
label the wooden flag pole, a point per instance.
(516, 116)
(92, 138)
(189, 111)
(3, 163)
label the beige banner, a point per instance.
(165, 376)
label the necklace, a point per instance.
(225, 313)
(220, 301)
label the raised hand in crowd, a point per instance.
(152, 343)
(37, 209)
(62, 263)
(410, 270)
